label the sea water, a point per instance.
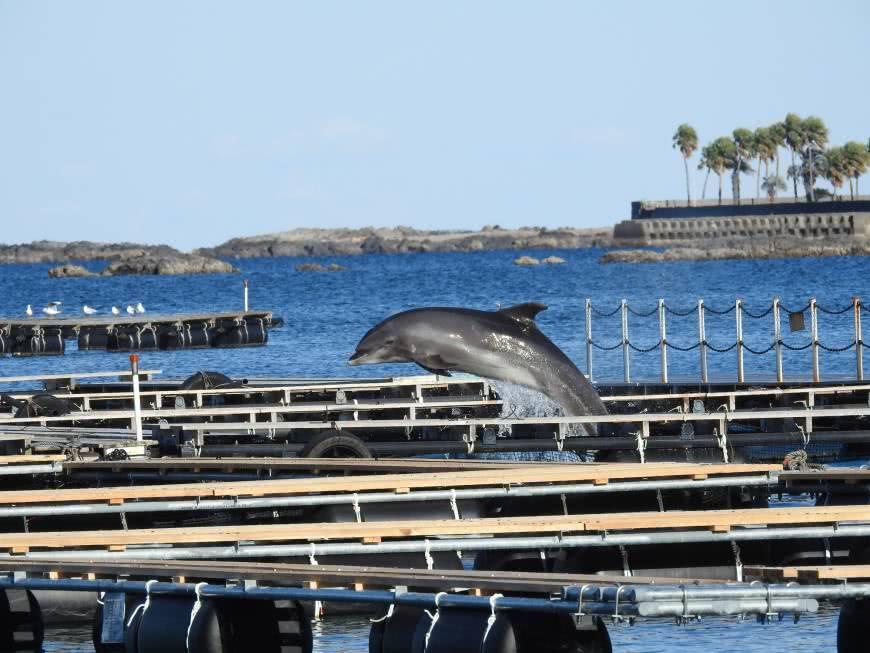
(327, 313)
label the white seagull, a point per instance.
(50, 310)
(140, 308)
(116, 310)
(29, 311)
(87, 310)
(130, 310)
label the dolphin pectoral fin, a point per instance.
(523, 313)
(434, 364)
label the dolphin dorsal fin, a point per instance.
(523, 313)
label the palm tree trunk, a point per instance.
(794, 178)
(758, 179)
(851, 189)
(704, 189)
(812, 191)
(720, 186)
(688, 187)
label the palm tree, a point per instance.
(795, 139)
(857, 161)
(772, 185)
(816, 138)
(836, 169)
(777, 138)
(715, 157)
(744, 148)
(704, 164)
(765, 152)
(686, 140)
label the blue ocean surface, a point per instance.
(327, 313)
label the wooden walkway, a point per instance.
(716, 521)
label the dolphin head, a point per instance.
(382, 344)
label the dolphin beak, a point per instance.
(358, 358)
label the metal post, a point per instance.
(626, 363)
(589, 338)
(663, 340)
(738, 313)
(702, 341)
(814, 325)
(137, 408)
(859, 342)
(777, 339)
(246, 295)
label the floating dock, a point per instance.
(48, 336)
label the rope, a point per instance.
(142, 606)
(640, 313)
(837, 350)
(715, 312)
(643, 350)
(434, 619)
(721, 351)
(601, 313)
(491, 619)
(834, 311)
(678, 348)
(605, 347)
(678, 313)
(797, 461)
(791, 348)
(756, 316)
(196, 606)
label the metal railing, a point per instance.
(739, 345)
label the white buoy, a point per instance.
(116, 310)
(29, 311)
(130, 310)
(140, 308)
(87, 310)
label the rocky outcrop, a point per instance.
(526, 260)
(69, 270)
(553, 260)
(177, 264)
(317, 267)
(402, 240)
(47, 251)
(755, 249)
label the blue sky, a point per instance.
(193, 122)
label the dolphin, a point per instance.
(505, 345)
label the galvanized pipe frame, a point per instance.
(362, 498)
(18, 470)
(424, 546)
(618, 608)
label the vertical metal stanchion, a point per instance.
(626, 363)
(137, 406)
(738, 316)
(663, 340)
(589, 338)
(814, 325)
(777, 339)
(859, 341)
(702, 341)
(246, 295)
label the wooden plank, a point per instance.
(811, 573)
(841, 474)
(27, 459)
(475, 478)
(326, 575)
(358, 531)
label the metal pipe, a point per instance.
(641, 593)
(702, 341)
(500, 543)
(626, 355)
(814, 328)
(589, 338)
(511, 492)
(777, 339)
(663, 340)
(137, 404)
(738, 316)
(859, 340)
(13, 470)
(245, 286)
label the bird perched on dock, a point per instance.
(130, 310)
(87, 310)
(51, 309)
(140, 308)
(116, 310)
(29, 311)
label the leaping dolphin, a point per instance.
(505, 345)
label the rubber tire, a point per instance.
(321, 443)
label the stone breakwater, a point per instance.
(400, 240)
(751, 249)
